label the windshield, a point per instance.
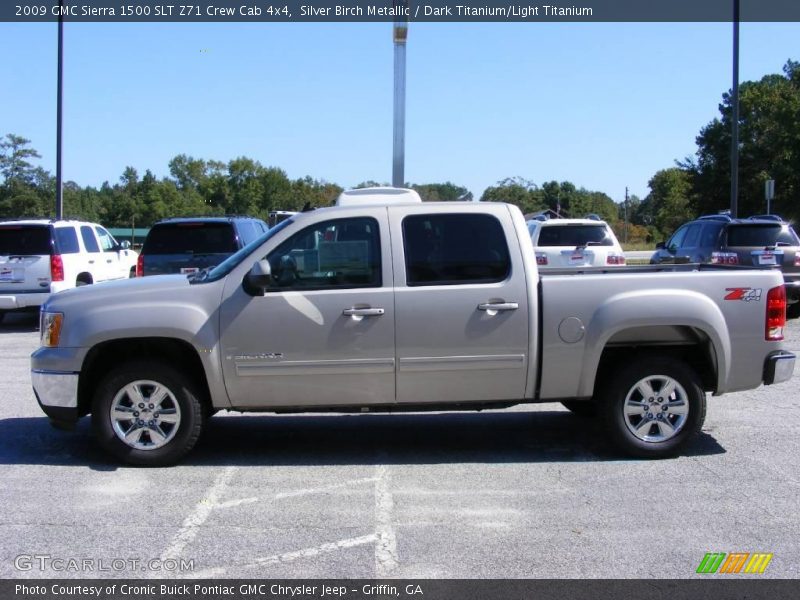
(574, 235)
(761, 235)
(234, 260)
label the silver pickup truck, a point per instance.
(405, 306)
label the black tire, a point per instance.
(132, 273)
(683, 412)
(2, 315)
(793, 311)
(581, 408)
(181, 400)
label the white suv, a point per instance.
(39, 257)
(568, 243)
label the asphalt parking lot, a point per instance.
(530, 492)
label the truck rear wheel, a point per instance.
(146, 413)
(654, 407)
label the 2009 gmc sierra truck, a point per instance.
(405, 306)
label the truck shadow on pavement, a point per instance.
(20, 322)
(494, 437)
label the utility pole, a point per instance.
(59, 113)
(400, 36)
(735, 115)
(626, 214)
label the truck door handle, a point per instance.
(109, 261)
(363, 312)
(498, 306)
(91, 262)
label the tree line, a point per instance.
(699, 184)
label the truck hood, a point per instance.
(121, 293)
(159, 306)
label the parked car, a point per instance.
(277, 216)
(190, 244)
(39, 257)
(406, 306)
(586, 242)
(759, 241)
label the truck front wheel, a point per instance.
(653, 407)
(146, 413)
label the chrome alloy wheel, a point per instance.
(656, 408)
(145, 415)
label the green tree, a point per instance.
(14, 152)
(439, 192)
(517, 191)
(769, 133)
(669, 199)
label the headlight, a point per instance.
(50, 328)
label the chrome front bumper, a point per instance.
(57, 394)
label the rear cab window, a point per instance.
(191, 238)
(453, 249)
(25, 240)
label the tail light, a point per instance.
(797, 259)
(140, 266)
(615, 259)
(541, 259)
(56, 268)
(724, 258)
(776, 314)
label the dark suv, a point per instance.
(189, 244)
(762, 241)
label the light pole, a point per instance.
(59, 113)
(735, 115)
(400, 36)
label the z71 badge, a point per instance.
(744, 294)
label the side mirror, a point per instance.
(125, 245)
(259, 277)
(661, 245)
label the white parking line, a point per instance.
(386, 546)
(199, 515)
(295, 493)
(290, 556)
(384, 538)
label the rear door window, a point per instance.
(191, 238)
(89, 240)
(452, 249)
(25, 240)
(67, 240)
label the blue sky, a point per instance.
(603, 105)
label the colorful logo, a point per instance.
(735, 562)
